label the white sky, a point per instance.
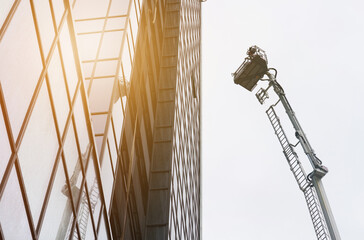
(248, 191)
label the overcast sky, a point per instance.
(317, 47)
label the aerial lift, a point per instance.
(253, 69)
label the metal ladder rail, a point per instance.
(84, 212)
(316, 214)
(288, 151)
(301, 177)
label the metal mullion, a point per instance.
(75, 220)
(115, 83)
(17, 167)
(25, 199)
(100, 60)
(99, 48)
(136, 12)
(99, 219)
(140, 11)
(98, 113)
(60, 150)
(129, 177)
(13, 157)
(87, 114)
(131, 59)
(8, 18)
(70, 194)
(105, 31)
(98, 77)
(99, 18)
(113, 130)
(131, 35)
(119, 163)
(112, 167)
(1, 233)
(125, 89)
(53, 109)
(88, 196)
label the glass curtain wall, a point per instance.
(184, 214)
(64, 77)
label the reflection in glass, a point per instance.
(5, 147)
(59, 211)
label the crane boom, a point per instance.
(247, 75)
(311, 185)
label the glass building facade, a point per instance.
(99, 120)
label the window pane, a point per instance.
(125, 59)
(106, 68)
(38, 151)
(20, 64)
(107, 178)
(89, 26)
(90, 9)
(13, 218)
(87, 45)
(45, 25)
(5, 147)
(115, 23)
(59, 212)
(113, 151)
(100, 94)
(93, 190)
(68, 59)
(102, 231)
(73, 164)
(118, 118)
(4, 10)
(81, 124)
(119, 7)
(58, 8)
(111, 44)
(58, 87)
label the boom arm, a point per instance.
(311, 185)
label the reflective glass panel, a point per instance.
(38, 151)
(81, 123)
(58, 8)
(93, 190)
(4, 10)
(13, 218)
(111, 44)
(68, 59)
(4, 146)
(20, 64)
(45, 25)
(74, 169)
(59, 212)
(95, 8)
(58, 87)
(119, 7)
(107, 178)
(100, 95)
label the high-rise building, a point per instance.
(100, 119)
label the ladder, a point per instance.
(84, 212)
(303, 182)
